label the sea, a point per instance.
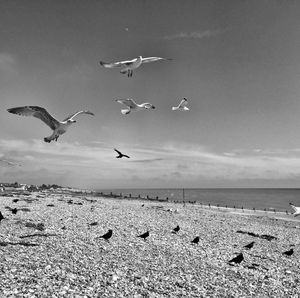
(277, 199)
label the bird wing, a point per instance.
(77, 113)
(152, 59)
(117, 64)
(37, 112)
(293, 207)
(183, 103)
(127, 102)
(118, 151)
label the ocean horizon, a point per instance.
(248, 198)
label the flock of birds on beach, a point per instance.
(239, 258)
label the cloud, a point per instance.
(194, 34)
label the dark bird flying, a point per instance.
(196, 240)
(238, 259)
(288, 252)
(250, 245)
(144, 236)
(120, 154)
(107, 235)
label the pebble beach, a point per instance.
(50, 249)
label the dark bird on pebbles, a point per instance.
(288, 252)
(120, 154)
(250, 245)
(144, 235)
(15, 200)
(238, 259)
(14, 210)
(93, 223)
(196, 240)
(175, 230)
(1, 216)
(107, 235)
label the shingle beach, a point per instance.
(50, 249)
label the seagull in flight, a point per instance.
(120, 154)
(58, 127)
(182, 106)
(9, 163)
(129, 65)
(296, 209)
(133, 106)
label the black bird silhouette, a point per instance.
(13, 210)
(288, 252)
(175, 230)
(107, 235)
(15, 200)
(250, 245)
(1, 216)
(93, 223)
(196, 240)
(120, 154)
(238, 259)
(144, 236)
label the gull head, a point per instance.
(71, 121)
(148, 105)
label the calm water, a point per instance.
(258, 198)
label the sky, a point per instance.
(237, 62)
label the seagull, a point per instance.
(120, 154)
(9, 163)
(175, 230)
(144, 236)
(129, 65)
(296, 209)
(133, 106)
(58, 127)
(107, 235)
(238, 259)
(182, 106)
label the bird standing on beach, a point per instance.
(58, 127)
(132, 106)
(175, 230)
(129, 65)
(288, 252)
(120, 154)
(196, 240)
(107, 235)
(1, 216)
(250, 245)
(144, 236)
(182, 106)
(296, 209)
(238, 259)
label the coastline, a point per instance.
(70, 259)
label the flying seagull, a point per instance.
(129, 65)
(182, 106)
(296, 209)
(120, 154)
(58, 127)
(133, 106)
(9, 163)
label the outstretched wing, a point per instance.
(37, 112)
(127, 102)
(77, 113)
(118, 151)
(183, 103)
(153, 59)
(117, 64)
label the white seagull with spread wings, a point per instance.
(182, 106)
(296, 209)
(129, 65)
(58, 127)
(133, 106)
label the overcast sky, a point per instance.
(238, 63)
